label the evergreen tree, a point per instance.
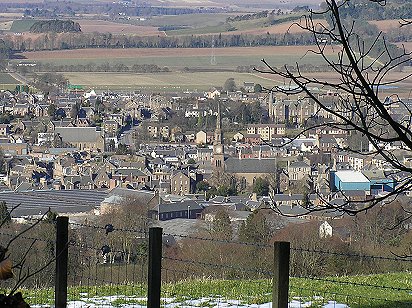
(3, 163)
(255, 229)
(261, 187)
(222, 226)
(230, 85)
(51, 111)
(5, 216)
(257, 88)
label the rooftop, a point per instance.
(351, 176)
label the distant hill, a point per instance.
(58, 26)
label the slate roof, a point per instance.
(297, 164)
(60, 201)
(130, 171)
(249, 165)
(78, 134)
(374, 174)
(179, 206)
(296, 197)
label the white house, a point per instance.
(325, 230)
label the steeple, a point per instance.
(270, 103)
(218, 131)
(218, 148)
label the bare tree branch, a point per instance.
(361, 67)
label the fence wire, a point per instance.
(108, 267)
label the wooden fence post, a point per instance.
(60, 283)
(280, 295)
(155, 267)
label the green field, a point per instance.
(22, 25)
(383, 291)
(7, 82)
(174, 81)
(6, 78)
(190, 20)
(234, 25)
(179, 62)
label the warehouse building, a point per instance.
(349, 180)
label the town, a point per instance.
(205, 153)
(188, 151)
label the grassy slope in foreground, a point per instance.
(391, 290)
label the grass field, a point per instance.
(228, 58)
(253, 26)
(22, 25)
(5, 78)
(227, 62)
(7, 82)
(391, 291)
(191, 20)
(102, 26)
(174, 81)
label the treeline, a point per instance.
(54, 9)
(56, 25)
(172, 27)
(92, 67)
(275, 21)
(52, 41)
(266, 14)
(306, 67)
(5, 49)
(258, 15)
(158, 11)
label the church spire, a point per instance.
(218, 131)
(218, 147)
(219, 118)
(270, 103)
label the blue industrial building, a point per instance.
(349, 180)
(379, 181)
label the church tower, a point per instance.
(218, 147)
(271, 108)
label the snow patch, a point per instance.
(108, 302)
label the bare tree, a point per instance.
(17, 265)
(362, 67)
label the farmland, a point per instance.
(22, 25)
(101, 26)
(163, 81)
(201, 81)
(7, 82)
(190, 20)
(228, 58)
(190, 68)
(176, 60)
(386, 25)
